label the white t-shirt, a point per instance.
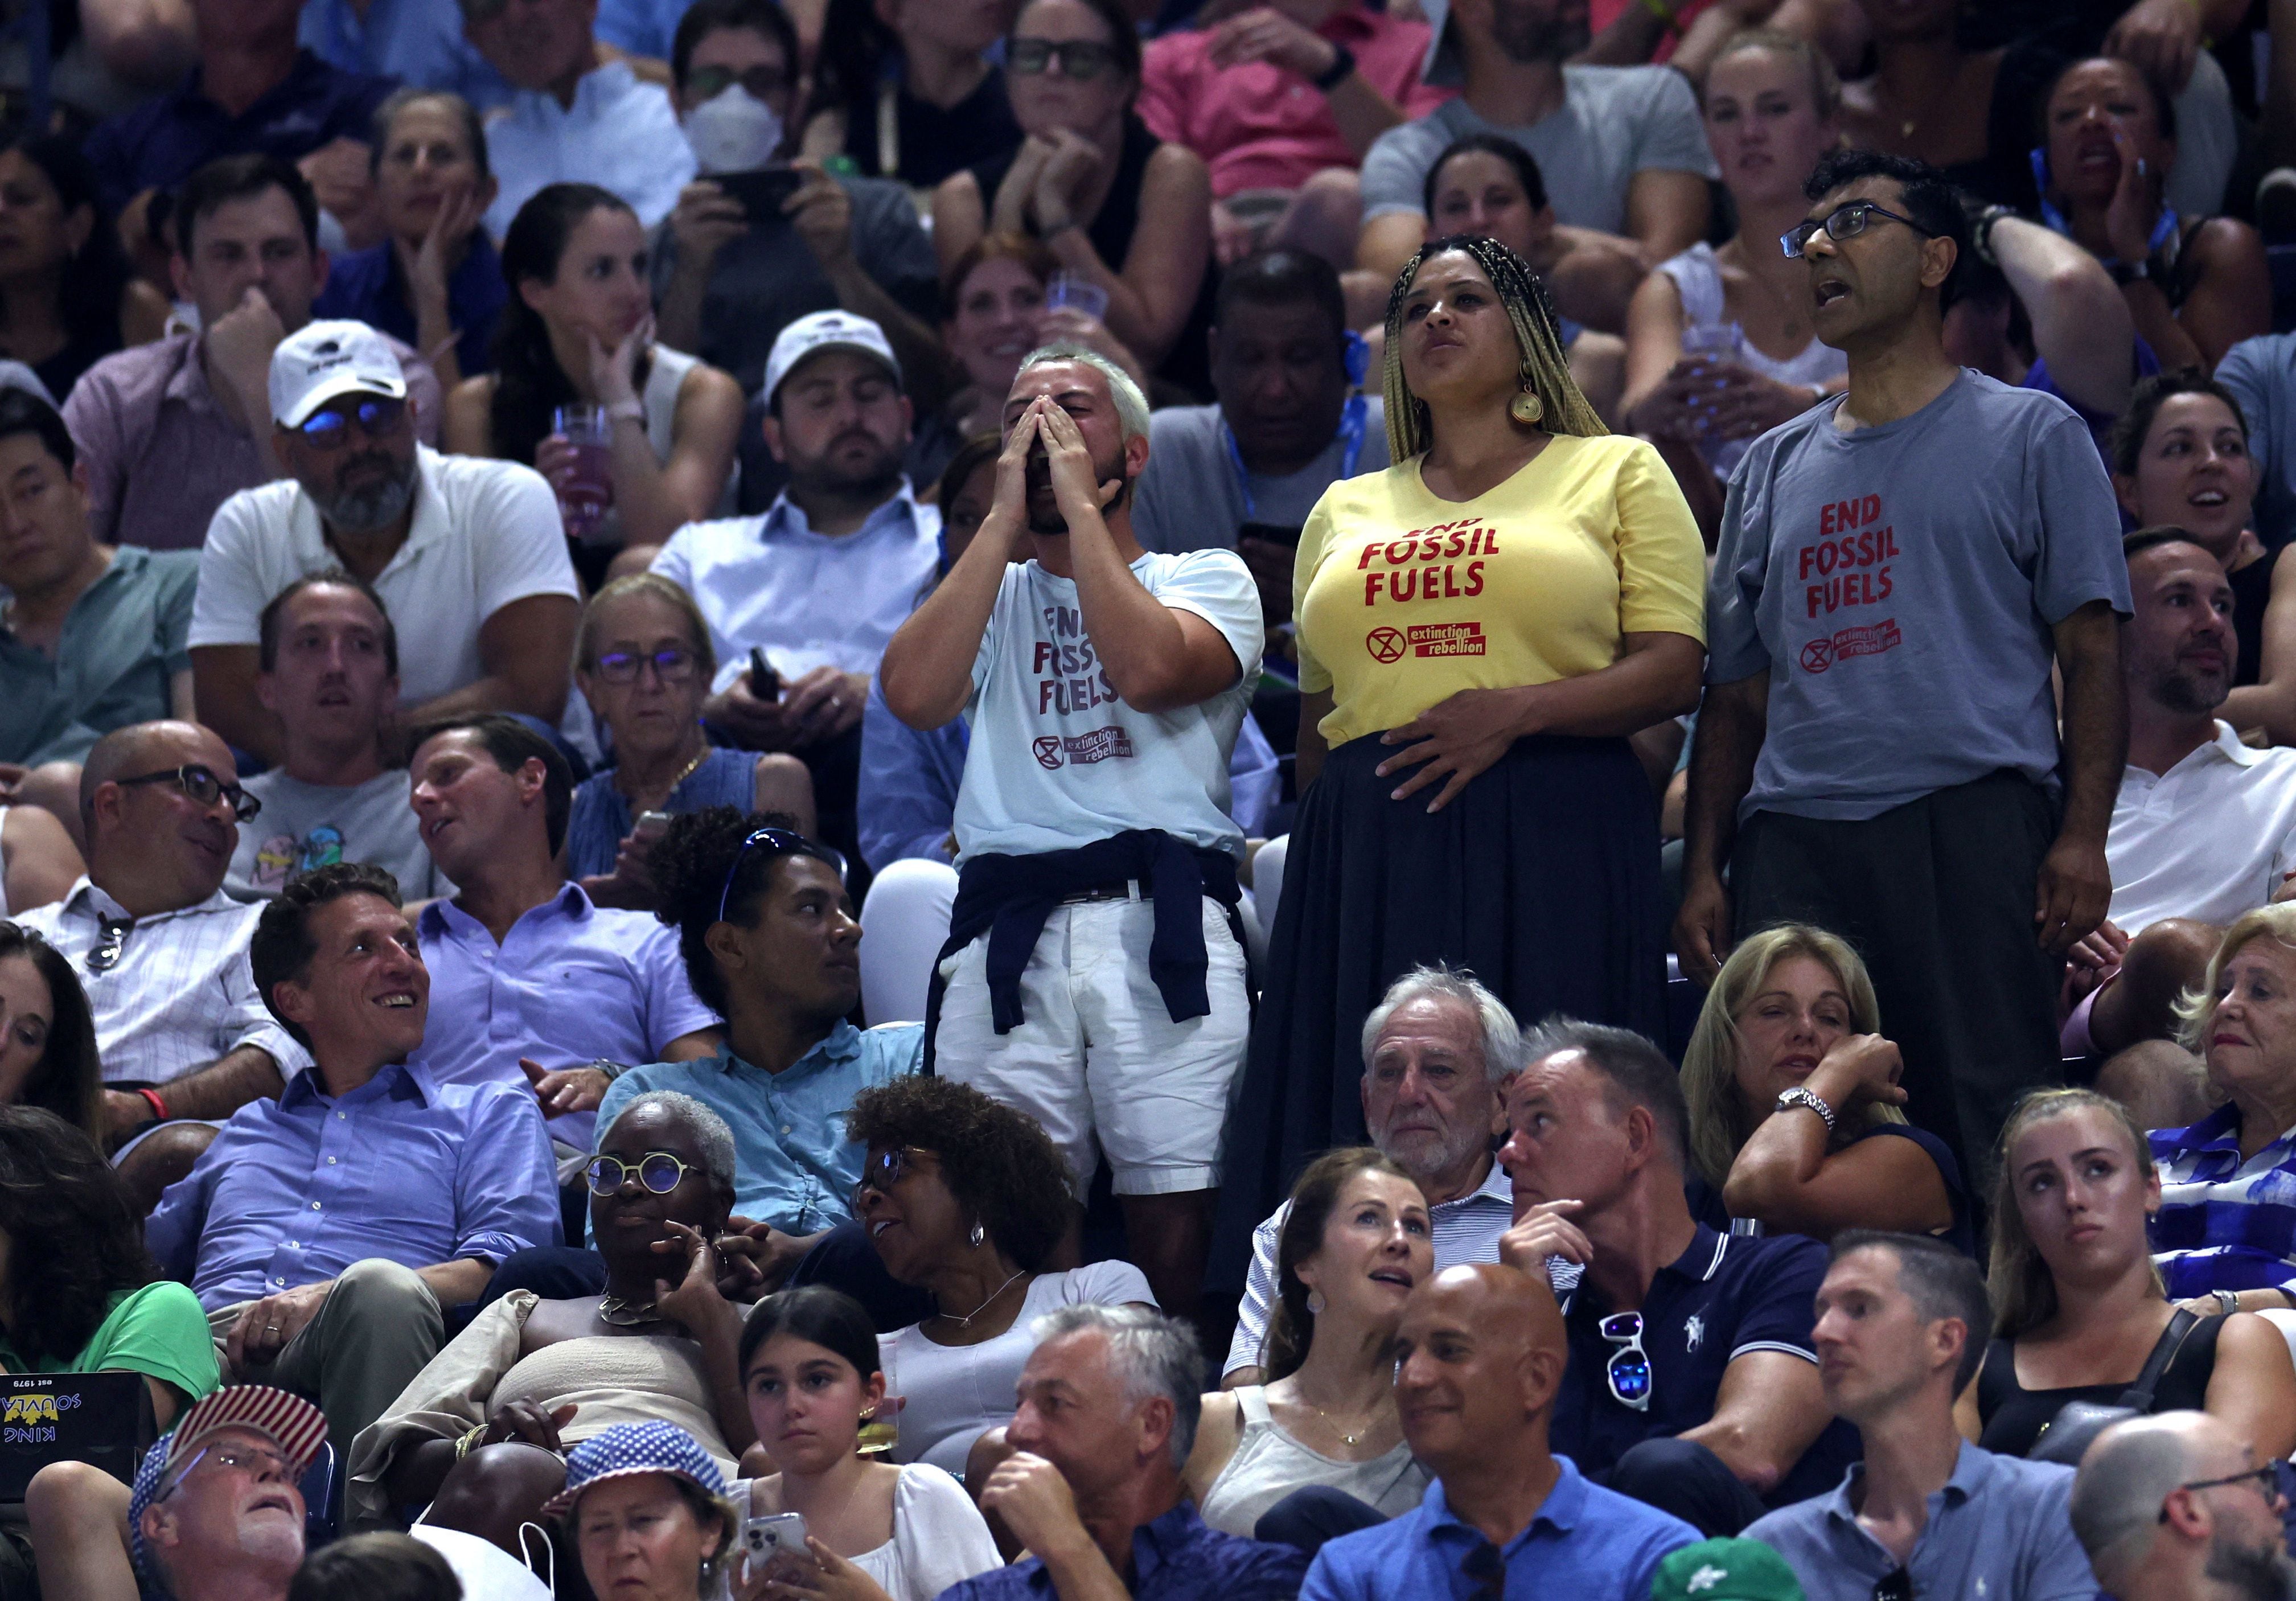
(2211, 838)
(485, 533)
(950, 1393)
(1057, 761)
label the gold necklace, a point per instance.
(687, 772)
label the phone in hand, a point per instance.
(762, 193)
(650, 825)
(765, 683)
(770, 1534)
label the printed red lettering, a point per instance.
(1458, 543)
(1369, 551)
(1475, 579)
(1045, 696)
(1404, 585)
(1045, 650)
(1884, 577)
(1450, 589)
(1372, 583)
(1399, 552)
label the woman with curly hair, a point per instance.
(47, 1034)
(967, 1200)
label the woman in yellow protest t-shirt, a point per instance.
(1480, 628)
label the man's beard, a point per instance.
(1051, 521)
(2258, 1572)
(371, 507)
(873, 477)
(2190, 691)
(1525, 38)
(1426, 1155)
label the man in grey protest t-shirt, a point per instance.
(1899, 571)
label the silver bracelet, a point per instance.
(1800, 1095)
(2227, 1301)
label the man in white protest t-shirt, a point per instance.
(1092, 978)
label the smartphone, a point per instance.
(762, 193)
(650, 825)
(765, 683)
(768, 1536)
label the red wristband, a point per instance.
(159, 1107)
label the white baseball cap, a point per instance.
(824, 330)
(322, 360)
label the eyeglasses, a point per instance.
(329, 428)
(249, 1458)
(203, 786)
(2266, 1480)
(1630, 1369)
(881, 1173)
(763, 82)
(659, 1172)
(673, 666)
(1488, 1569)
(1082, 59)
(1896, 1585)
(1846, 222)
(112, 940)
(781, 839)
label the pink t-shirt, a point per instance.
(1261, 127)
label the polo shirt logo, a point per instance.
(1694, 1332)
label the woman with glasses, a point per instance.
(644, 662)
(1129, 219)
(480, 1433)
(906, 89)
(968, 1201)
(2078, 1304)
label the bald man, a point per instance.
(160, 947)
(1479, 1355)
(2176, 1508)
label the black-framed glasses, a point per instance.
(201, 784)
(1629, 1370)
(782, 839)
(2267, 1479)
(674, 665)
(659, 1172)
(1846, 221)
(1082, 59)
(1896, 1585)
(111, 940)
(881, 1173)
(330, 426)
(763, 82)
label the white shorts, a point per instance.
(1097, 1053)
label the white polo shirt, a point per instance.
(2211, 838)
(484, 533)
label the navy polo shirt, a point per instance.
(366, 286)
(1725, 1297)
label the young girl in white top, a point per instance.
(873, 1530)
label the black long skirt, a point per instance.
(1541, 878)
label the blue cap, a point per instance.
(636, 1447)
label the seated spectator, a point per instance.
(383, 1566)
(647, 1512)
(2260, 375)
(216, 1511)
(1719, 347)
(253, 92)
(580, 113)
(1178, 640)
(1966, 112)
(578, 331)
(967, 1201)
(1723, 1413)
(768, 938)
(473, 1434)
(2077, 1302)
(2196, 285)
(1619, 146)
(435, 282)
(645, 660)
(908, 92)
(329, 673)
(1793, 1098)
(2178, 1507)
(2181, 458)
(1480, 1368)
(67, 296)
(1355, 1242)
(1283, 161)
(436, 1182)
(1124, 213)
(161, 948)
(419, 43)
(2203, 829)
(1438, 1051)
(465, 553)
(75, 672)
(727, 282)
(1107, 1415)
(171, 430)
(1901, 1322)
(810, 1369)
(49, 1062)
(517, 941)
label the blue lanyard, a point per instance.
(1353, 418)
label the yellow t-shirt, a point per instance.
(1403, 599)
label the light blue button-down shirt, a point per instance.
(620, 133)
(793, 1166)
(572, 982)
(419, 42)
(295, 1190)
(641, 27)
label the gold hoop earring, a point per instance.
(1527, 408)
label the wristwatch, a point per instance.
(2227, 1301)
(1801, 1096)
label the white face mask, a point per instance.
(735, 132)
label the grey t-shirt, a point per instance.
(2261, 374)
(1613, 123)
(307, 826)
(123, 642)
(1189, 497)
(1899, 584)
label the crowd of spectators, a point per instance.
(879, 799)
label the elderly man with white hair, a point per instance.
(1437, 1051)
(2176, 1508)
(1094, 976)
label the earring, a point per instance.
(978, 1234)
(1527, 408)
(1315, 1303)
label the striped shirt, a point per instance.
(2223, 1224)
(182, 994)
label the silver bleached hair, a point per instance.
(1131, 405)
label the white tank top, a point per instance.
(1270, 1464)
(1698, 279)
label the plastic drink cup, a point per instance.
(586, 496)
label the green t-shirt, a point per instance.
(158, 1331)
